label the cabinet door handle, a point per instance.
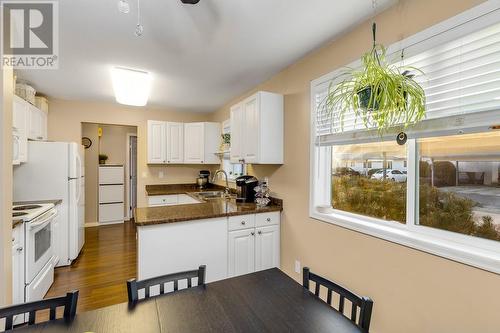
(268, 219)
(259, 232)
(252, 233)
(243, 222)
(19, 249)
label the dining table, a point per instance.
(265, 301)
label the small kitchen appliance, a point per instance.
(246, 186)
(203, 179)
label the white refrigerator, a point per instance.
(55, 170)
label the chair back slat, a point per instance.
(354, 312)
(162, 288)
(69, 302)
(52, 313)
(31, 317)
(8, 322)
(341, 304)
(329, 297)
(365, 304)
(133, 286)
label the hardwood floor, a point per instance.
(107, 260)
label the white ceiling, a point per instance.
(200, 56)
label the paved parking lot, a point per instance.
(487, 198)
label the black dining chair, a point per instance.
(69, 303)
(365, 304)
(133, 286)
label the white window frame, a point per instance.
(474, 251)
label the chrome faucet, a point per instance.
(226, 190)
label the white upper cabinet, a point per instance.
(194, 142)
(237, 114)
(157, 152)
(177, 143)
(20, 128)
(257, 129)
(37, 123)
(201, 143)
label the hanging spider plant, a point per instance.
(382, 95)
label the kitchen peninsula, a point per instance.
(196, 227)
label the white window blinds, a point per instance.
(462, 76)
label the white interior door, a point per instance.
(241, 252)
(267, 247)
(175, 142)
(156, 142)
(251, 138)
(194, 143)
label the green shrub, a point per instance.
(387, 200)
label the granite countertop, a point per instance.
(17, 220)
(206, 209)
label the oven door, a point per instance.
(39, 243)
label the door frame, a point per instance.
(127, 174)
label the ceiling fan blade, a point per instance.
(191, 2)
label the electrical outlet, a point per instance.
(297, 266)
(161, 174)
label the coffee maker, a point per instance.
(203, 180)
(246, 186)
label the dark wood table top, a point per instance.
(266, 301)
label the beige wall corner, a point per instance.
(6, 94)
(410, 288)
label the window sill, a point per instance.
(487, 259)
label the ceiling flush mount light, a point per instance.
(132, 87)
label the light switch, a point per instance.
(144, 174)
(161, 174)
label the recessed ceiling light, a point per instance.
(132, 87)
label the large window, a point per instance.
(440, 191)
(459, 187)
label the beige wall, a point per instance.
(413, 291)
(6, 94)
(66, 117)
(112, 143)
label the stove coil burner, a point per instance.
(16, 214)
(27, 207)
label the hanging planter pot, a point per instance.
(382, 95)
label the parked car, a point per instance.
(394, 175)
(343, 171)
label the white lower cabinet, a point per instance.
(229, 246)
(250, 248)
(267, 247)
(241, 252)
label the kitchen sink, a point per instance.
(211, 195)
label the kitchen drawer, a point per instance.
(265, 219)
(111, 193)
(163, 200)
(111, 175)
(241, 222)
(111, 212)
